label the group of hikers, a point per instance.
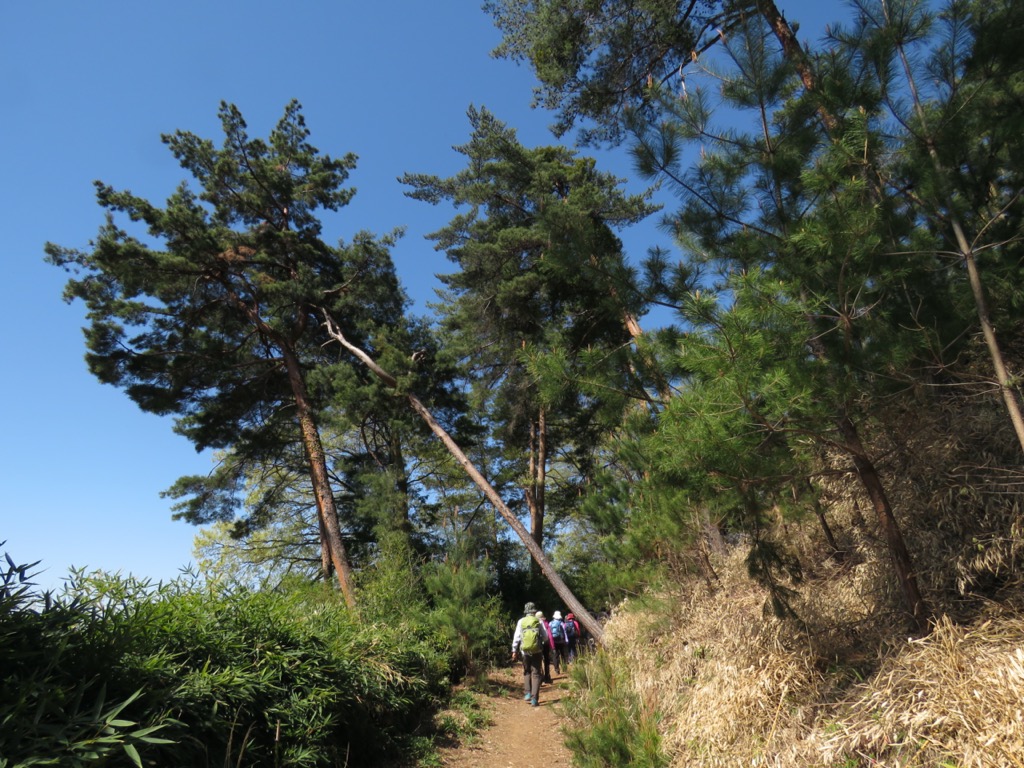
(540, 643)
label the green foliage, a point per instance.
(462, 612)
(215, 312)
(58, 703)
(613, 552)
(467, 716)
(595, 59)
(610, 725)
(199, 324)
(182, 674)
(822, 209)
(391, 586)
(538, 309)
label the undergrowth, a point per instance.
(611, 726)
(127, 673)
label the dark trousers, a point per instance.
(533, 673)
(561, 656)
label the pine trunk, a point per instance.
(325, 507)
(898, 553)
(538, 479)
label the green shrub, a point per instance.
(113, 667)
(610, 727)
(462, 614)
(57, 704)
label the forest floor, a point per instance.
(518, 735)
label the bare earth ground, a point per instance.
(519, 735)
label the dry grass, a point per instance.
(720, 674)
(847, 686)
(738, 688)
(956, 695)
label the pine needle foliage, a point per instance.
(612, 726)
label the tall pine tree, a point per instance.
(216, 316)
(542, 285)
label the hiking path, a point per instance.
(518, 735)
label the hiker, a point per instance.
(561, 648)
(528, 644)
(572, 635)
(549, 646)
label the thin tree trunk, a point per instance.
(531, 493)
(712, 533)
(868, 474)
(540, 474)
(325, 506)
(858, 516)
(546, 568)
(966, 252)
(826, 529)
(706, 568)
(1003, 378)
(912, 599)
(538, 477)
(325, 550)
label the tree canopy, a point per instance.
(846, 221)
(215, 315)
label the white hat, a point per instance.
(557, 615)
(539, 614)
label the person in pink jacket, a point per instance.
(549, 646)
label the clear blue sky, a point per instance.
(86, 90)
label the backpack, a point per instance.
(569, 626)
(557, 630)
(531, 639)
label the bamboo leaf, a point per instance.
(133, 753)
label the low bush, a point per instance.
(125, 672)
(611, 726)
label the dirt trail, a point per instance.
(520, 735)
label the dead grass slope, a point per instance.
(846, 685)
(738, 688)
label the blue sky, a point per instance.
(87, 89)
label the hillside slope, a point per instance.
(733, 686)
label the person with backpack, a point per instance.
(561, 648)
(549, 646)
(572, 635)
(528, 645)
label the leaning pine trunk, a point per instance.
(546, 568)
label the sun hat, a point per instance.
(557, 615)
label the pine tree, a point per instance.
(542, 285)
(216, 315)
(794, 183)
